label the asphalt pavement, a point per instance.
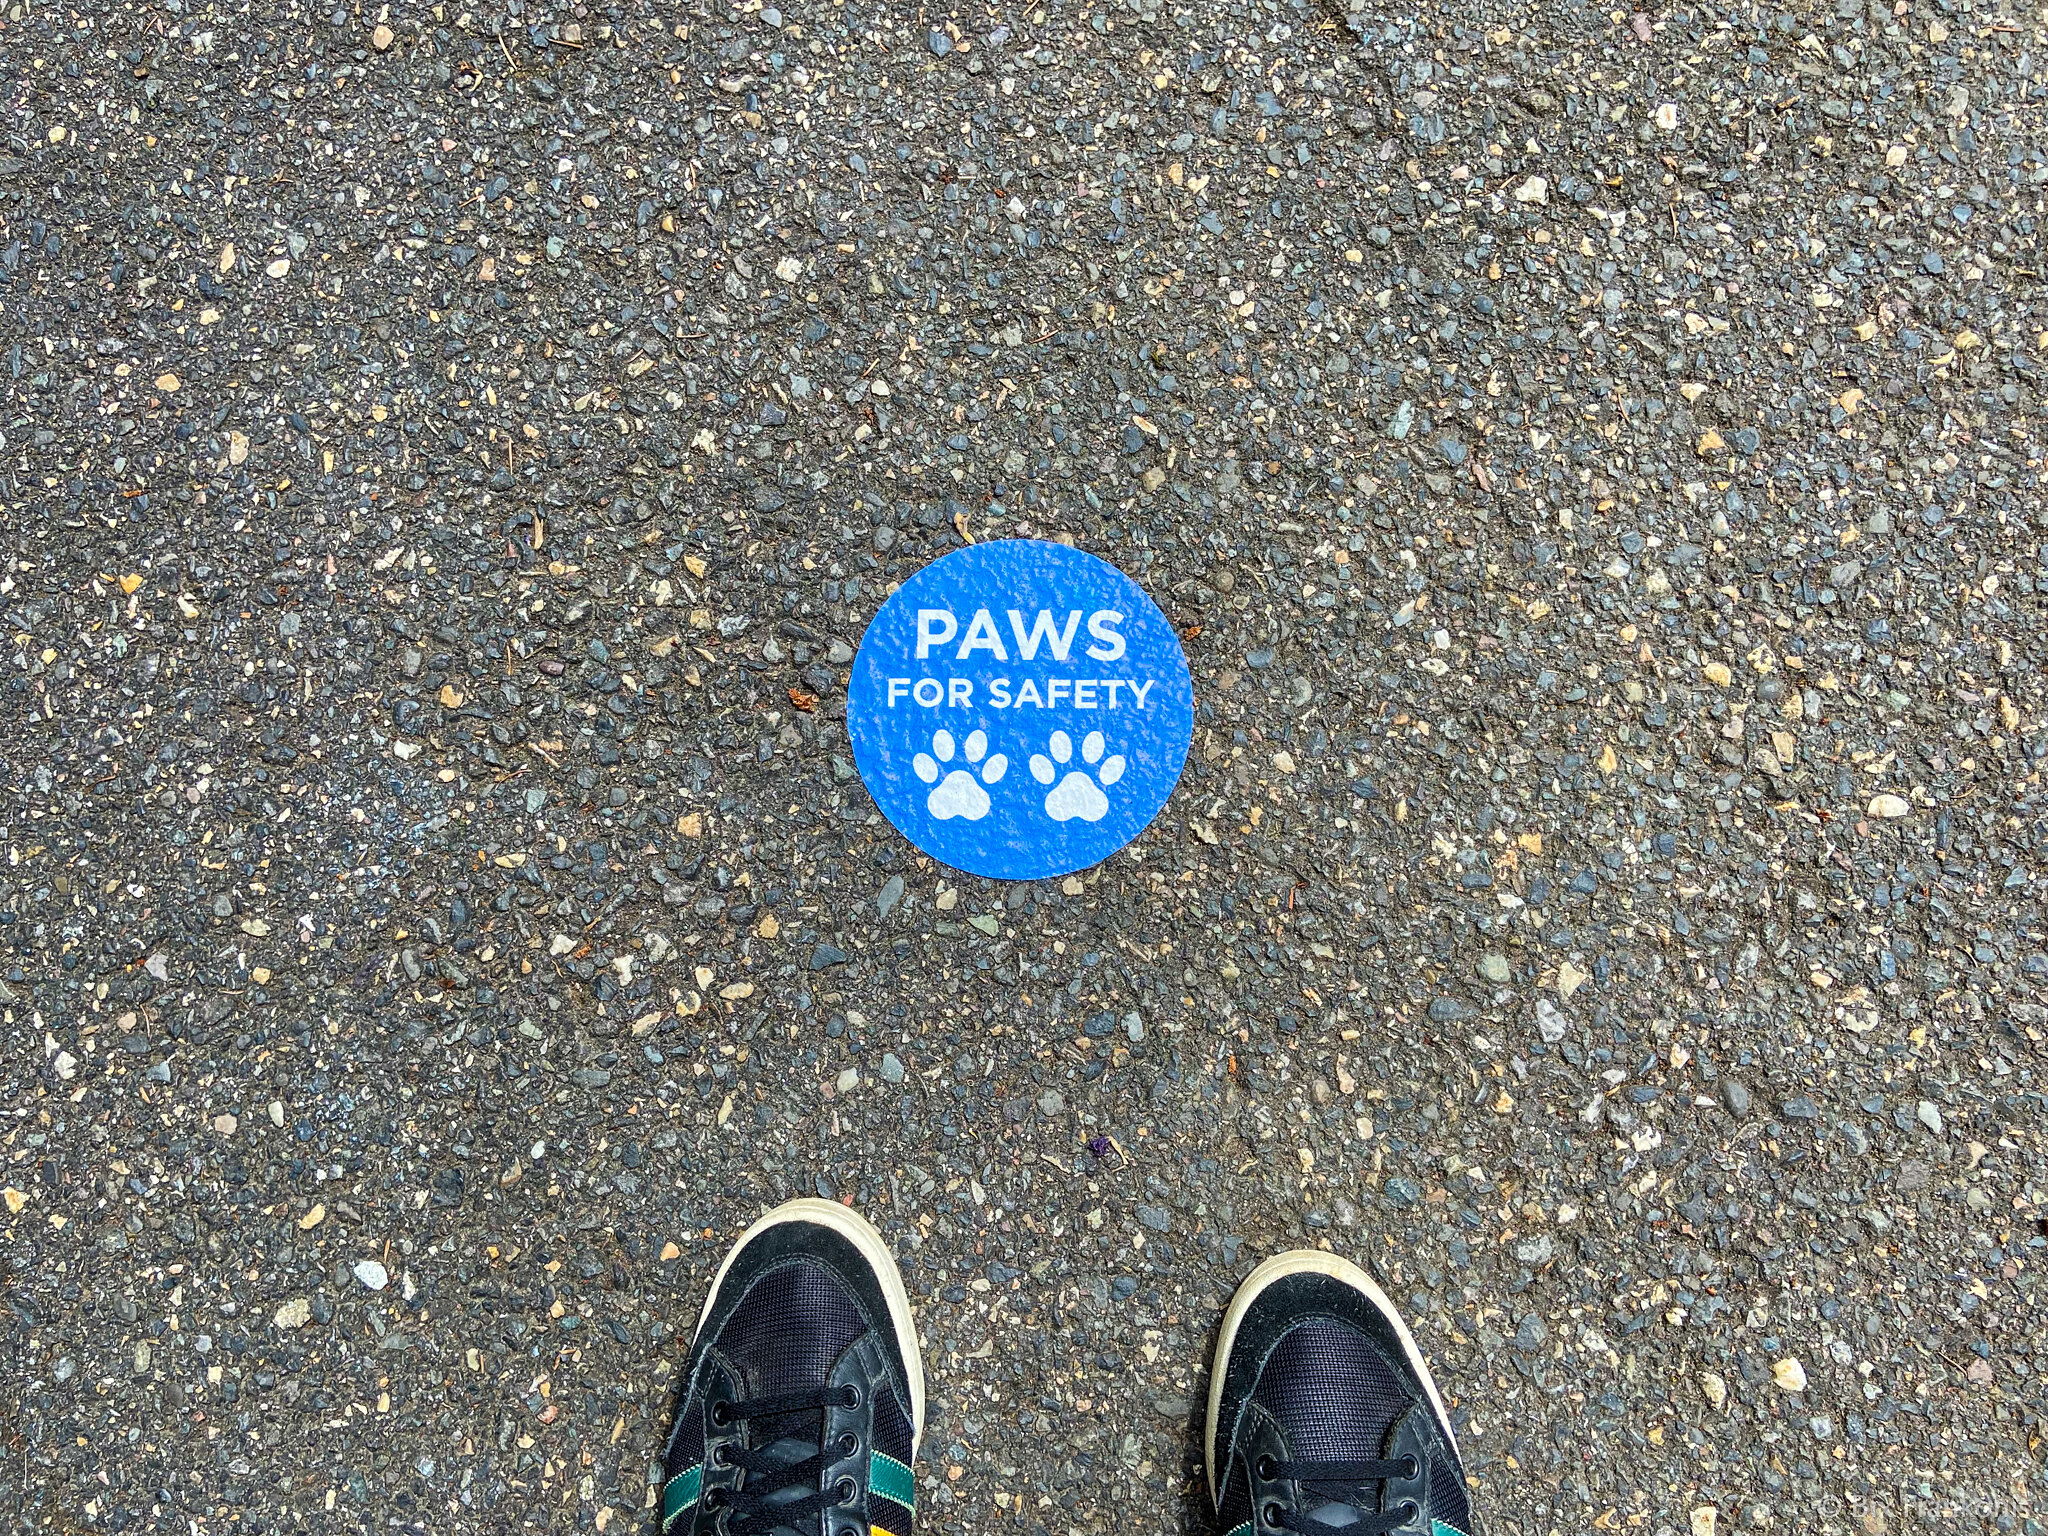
(448, 455)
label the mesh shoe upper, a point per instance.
(795, 1413)
(1326, 1388)
(1323, 1422)
(790, 1328)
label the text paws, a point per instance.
(1077, 795)
(959, 794)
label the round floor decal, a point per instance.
(1020, 709)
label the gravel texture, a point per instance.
(448, 454)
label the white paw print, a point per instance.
(959, 794)
(1076, 795)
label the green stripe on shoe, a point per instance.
(681, 1493)
(892, 1480)
(1241, 1530)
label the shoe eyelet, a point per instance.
(1409, 1510)
(848, 1444)
(721, 1414)
(850, 1395)
(1266, 1467)
(847, 1490)
(1410, 1468)
(1271, 1514)
(719, 1458)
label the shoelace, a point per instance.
(767, 1500)
(1342, 1483)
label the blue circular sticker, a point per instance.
(1020, 709)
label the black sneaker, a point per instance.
(1322, 1415)
(803, 1399)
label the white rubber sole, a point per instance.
(854, 1227)
(1307, 1261)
